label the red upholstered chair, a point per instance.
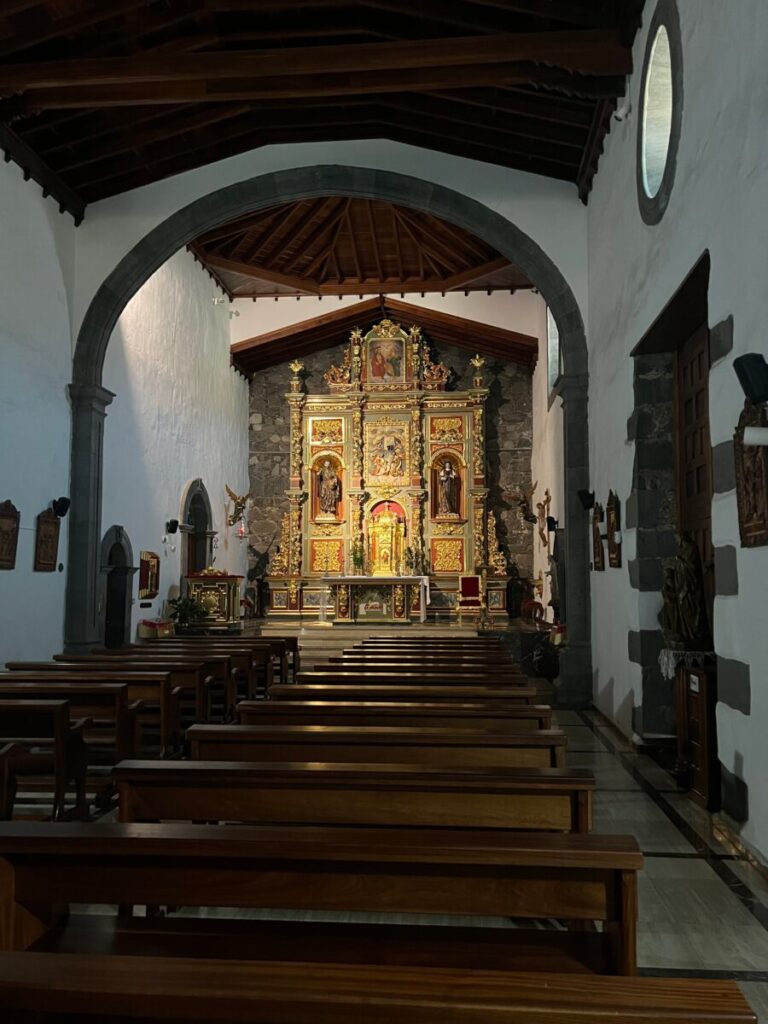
(470, 594)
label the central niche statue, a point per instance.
(683, 616)
(328, 488)
(447, 500)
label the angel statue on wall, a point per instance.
(523, 500)
(240, 501)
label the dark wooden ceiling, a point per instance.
(337, 246)
(101, 96)
(331, 329)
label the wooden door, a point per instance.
(694, 452)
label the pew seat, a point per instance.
(501, 718)
(116, 989)
(355, 794)
(405, 692)
(533, 876)
(385, 745)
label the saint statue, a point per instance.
(689, 588)
(328, 488)
(448, 490)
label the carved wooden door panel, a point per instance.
(694, 452)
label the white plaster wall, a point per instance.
(546, 455)
(180, 413)
(36, 262)
(519, 312)
(548, 211)
(718, 204)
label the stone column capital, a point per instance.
(92, 396)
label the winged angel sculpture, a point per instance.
(239, 501)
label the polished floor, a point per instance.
(703, 908)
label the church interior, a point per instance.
(383, 511)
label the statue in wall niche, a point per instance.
(683, 616)
(328, 488)
(669, 616)
(689, 587)
(447, 496)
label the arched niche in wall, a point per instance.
(447, 486)
(327, 487)
(116, 586)
(90, 399)
(196, 527)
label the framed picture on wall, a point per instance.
(149, 574)
(47, 541)
(598, 552)
(9, 534)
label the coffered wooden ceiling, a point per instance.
(332, 328)
(339, 246)
(101, 96)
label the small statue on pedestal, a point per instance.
(446, 501)
(328, 489)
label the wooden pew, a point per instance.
(50, 750)
(310, 793)
(419, 676)
(484, 670)
(529, 876)
(382, 745)
(7, 779)
(153, 689)
(192, 675)
(280, 646)
(501, 718)
(90, 989)
(112, 729)
(253, 664)
(417, 693)
(264, 648)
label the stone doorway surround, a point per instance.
(90, 399)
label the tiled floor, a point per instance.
(703, 908)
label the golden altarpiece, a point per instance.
(387, 496)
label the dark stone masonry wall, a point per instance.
(508, 445)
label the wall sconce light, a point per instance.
(172, 526)
(587, 499)
(60, 507)
(241, 530)
(218, 300)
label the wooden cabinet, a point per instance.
(698, 767)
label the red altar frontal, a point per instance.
(387, 488)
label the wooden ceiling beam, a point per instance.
(445, 12)
(519, 132)
(450, 263)
(374, 237)
(592, 52)
(321, 85)
(537, 106)
(290, 224)
(335, 229)
(300, 284)
(324, 228)
(570, 11)
(353, 243)
(13, 42)
(467, 277)
(235, 227)
(11, 7)
(33, 167)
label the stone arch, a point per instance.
(89, 399)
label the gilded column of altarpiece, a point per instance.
(387, 483)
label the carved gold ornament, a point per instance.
(478, 447)
(278, 562)
(399, 593)
(479, 534)
(446, 429)
(327, 431)
(448, 555)
(336, 375)
(449, 530)
(327, 556)
(496, 558)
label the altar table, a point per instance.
(379, 598)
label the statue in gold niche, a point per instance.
(328, 489)
(448, 481)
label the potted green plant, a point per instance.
(185, 612)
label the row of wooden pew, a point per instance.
(410, 777)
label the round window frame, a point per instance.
(665, 16)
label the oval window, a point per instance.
(658, 104)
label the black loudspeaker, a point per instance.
(587, 499)
(172, 526)
(60, 507)
(752, 371)
(551, 524)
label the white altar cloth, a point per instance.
(422, 582)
